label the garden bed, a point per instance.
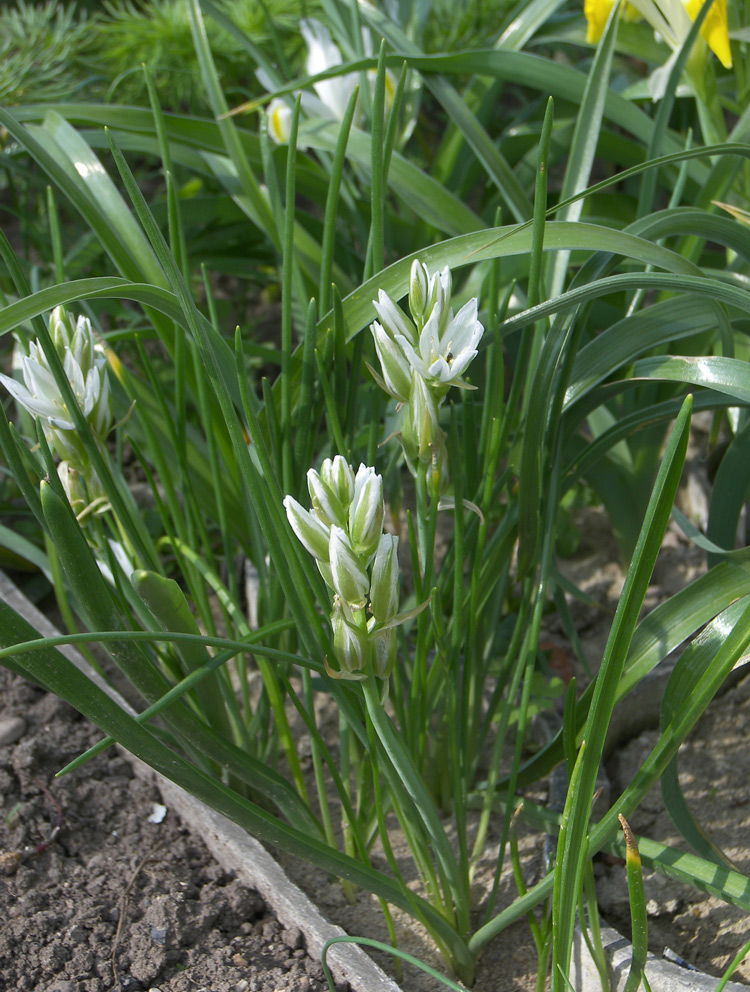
(188, 923)
(123, 896)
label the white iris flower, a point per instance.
(331, 96)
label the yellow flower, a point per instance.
(597, 13)
(715, 29)
(668, 18)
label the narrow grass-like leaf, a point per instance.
(729, 493)
(638, 919)
(227, 128)
(585, 138)
(572, 852)
(332, 201)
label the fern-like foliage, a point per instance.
(43, 51)
(156, 33)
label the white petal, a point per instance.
(415, 360)
(325, 505)
(393, 363)
(39, 406)
(465, 330)
(40, 381)
(311, 533)
(75, 377)
(440, 369)
(322, 53)
(393, 318)
(92, 391)
(279, 121)
(429, 340)
(349, 577)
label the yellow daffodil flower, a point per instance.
(597, 13)
(672, 20)
(715, 29)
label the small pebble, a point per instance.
(11, 729)
(292, 938)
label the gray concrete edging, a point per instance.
(662, 975)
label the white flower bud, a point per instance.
(349, 577)
(393, 363)
(419, 290)
(422, 425)
(337, 474)
(350, 644)
(441, 290)
(366, 512)
(340, 477)
(384, 652)
(325, 504)
(384, 584)
(312, 534)
(279, 121)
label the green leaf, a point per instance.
(572, 853)
(729, 493)
(60, 676)
(585, 139)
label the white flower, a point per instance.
(311, 532)
(441, 345)
(384, 584)
(366, 512)
(447, 344)
(350, 580)
(323, 54)
(279, 120)
(357, 561)
(86, 372)
(331, 95)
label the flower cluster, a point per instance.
(344, 533)
(423, 356)
(85, 367)
(671, 19)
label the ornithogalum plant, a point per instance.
(248, 596)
